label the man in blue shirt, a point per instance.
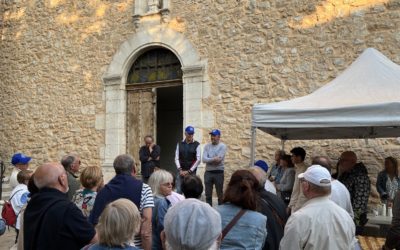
(125, 185)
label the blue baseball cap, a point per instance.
(189, 130)
(20, 158)
(262, 164)
(215, 132)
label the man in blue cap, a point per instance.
(213, 157)
(20, 162)
(187, 157)
(269, 186)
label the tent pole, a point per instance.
(283, 144)
(253, 145)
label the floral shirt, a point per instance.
(84, 200)
(359, 186)
(392, 186)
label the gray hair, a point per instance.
(323, 161)
(124, 164)
(259, 174)
(67, 161)
(158, 178)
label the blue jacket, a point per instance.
(381, 183)
(121, 186)
(248, 233)
(161, 205)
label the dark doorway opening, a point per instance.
(169, 124)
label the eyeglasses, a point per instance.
(167, 184)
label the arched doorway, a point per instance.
(194, 80)
(155, 103)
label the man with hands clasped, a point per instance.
(213, 157)
(149, 155)
(187, 157)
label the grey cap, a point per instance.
(192, 224)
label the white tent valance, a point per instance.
(362, 102)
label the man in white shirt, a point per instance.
(339, 193)
(187, 157)
(319, 223)
(297, 199)
(20, 162)
(19, 196)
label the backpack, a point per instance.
(8, 213)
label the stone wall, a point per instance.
(55, 52)
(53, 55)
(265, 51)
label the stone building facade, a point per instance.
(65, 64)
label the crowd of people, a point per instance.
(290, 205)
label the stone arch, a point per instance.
(195, 84)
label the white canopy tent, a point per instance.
(362, 102)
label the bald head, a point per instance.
(322, 161)
(51, 175)
(259, 174)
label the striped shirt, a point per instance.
(146, 201)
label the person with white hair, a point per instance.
(319, 219)
(191, 225)
(161, 185)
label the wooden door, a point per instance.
(140, 119)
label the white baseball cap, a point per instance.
(317, 175)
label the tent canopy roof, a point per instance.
(362, 102)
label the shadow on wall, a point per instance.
(88, 17)
(329, 10)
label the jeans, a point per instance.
(217, 179)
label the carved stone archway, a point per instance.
(195, 85)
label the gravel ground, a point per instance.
(7, 239)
